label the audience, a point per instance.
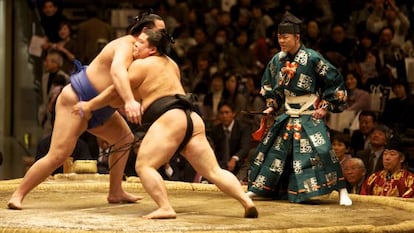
(67, 46)
(254, 101)
(232, 93)
(399, 111)
(391, 58)
(341, 144)
(354, 173)
(50, 18)
(386, 13)
(372, 157)
(196, 77)
(312, 36)
(53, 80)
(93, 34)
(223, 47)
(360, 137)
(202, 46)
(339, 47)
(242, 57)
(260, 21)
(212, 99)
(358, 99)
(368, 66)
(393, 180)
(230, 138)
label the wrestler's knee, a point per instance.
(142, 164)
(56, 160)
(139, 165)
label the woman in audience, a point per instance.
(358, 99)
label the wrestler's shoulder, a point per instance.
(121, 41)
(152, 61)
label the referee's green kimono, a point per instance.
(296, 143)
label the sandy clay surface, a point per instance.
(79, 205)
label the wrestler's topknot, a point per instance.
(145, 19)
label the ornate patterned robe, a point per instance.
(298, 140)
(399, 184)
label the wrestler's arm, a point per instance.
(119, 72)
(101, 100)
(85, 108)
(135, 75)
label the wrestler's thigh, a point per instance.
(163, 138)
(68, 126)
(115, 131)
(198, 151)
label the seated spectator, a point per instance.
(312, 36)
(53, 80)
(66, 46)
(391, 58)
(264, 48)
(221, 56)
(358, 99)
(360, 138)
(260, 21)
(341, 144)
(354, 173)
(232, 94)
(254, 101)
(50, 18)
(203, 45)
(386, 13)
(93, 34)
(372, 157)
(338, 46)
(212, 100)
(358, 18)
(183, 41)
(231, 139)
(393, 180)
(197, 78)
(163, 9)
(242, 58)
(399, 111)
(369, 67)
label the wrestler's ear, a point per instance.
(153, 50)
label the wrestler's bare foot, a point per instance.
(251, 212)
(15, 203)
(161, 214)
(123, 198)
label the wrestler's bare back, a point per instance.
(152, 78)
(99, 71)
